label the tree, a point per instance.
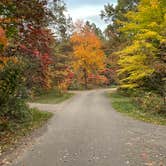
(115, 40)
(142, 61)
(95, 29)
(113, 14)
(88, 56)
(62, 62)
(36, 47)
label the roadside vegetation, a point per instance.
(12, 131)
(139, 106)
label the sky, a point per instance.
(88, 10)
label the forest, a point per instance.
(42, 50)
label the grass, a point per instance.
(15, 131)
(52, 98)
(126, 106)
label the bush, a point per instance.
(151, 102)
(148, 101)
(12, 105)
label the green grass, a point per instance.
(15, 131)
(52, 98)
(126, 106)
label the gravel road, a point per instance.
(86, 131)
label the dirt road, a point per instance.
(86, 131)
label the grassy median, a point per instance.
(51, 98)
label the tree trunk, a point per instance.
(85, 79)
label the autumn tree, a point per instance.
(143, 61)
(88, 56)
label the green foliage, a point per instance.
(149, 101)
(12, 105)
(95, 29)
(111, 14)
(10, 81)
(62, 61)
(62, 24)
(15, 109)
(76, 85)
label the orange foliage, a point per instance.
(88, 55)
(3, 38)
(87, 51)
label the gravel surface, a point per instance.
(86, 131)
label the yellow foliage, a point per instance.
(146, 28)
(154, 4)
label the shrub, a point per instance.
(151, 102)
(147, 100)
(12, 105)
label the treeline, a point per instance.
(136, 47)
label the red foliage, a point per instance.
(36, 44)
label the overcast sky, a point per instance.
(88, 10)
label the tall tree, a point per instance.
(112, 14)
(143, 61)
(64, 27)
(88, 55)
(114, 39)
